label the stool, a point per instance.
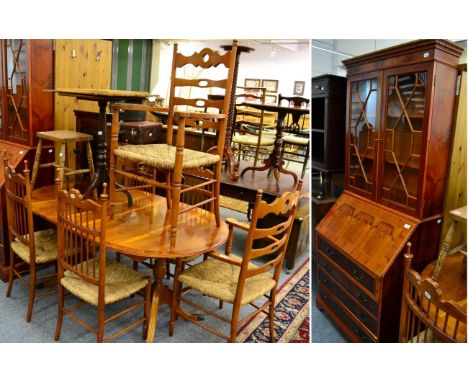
(64, 137)
(457, 216)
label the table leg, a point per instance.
(101, 175)
(161, 295)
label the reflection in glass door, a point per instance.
(362, 130)
(403, 137)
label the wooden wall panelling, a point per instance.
(455, 195)
(90, 68)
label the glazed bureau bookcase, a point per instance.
(26, 68)
(400, 105)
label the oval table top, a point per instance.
(143, 230)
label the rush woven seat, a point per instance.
(120, 282)
(169, 166)
(45, 244)
(162, 156)
(32, 247)
(219, 280)
(237, 280)
(84, 270)
(253, 140)
(295, 140)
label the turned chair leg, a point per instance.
(147, 309)
(271, 315)
(175, 296)
(58, 327)
(61, 163)
(11, 276)
(32, 293)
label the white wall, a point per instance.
(286, 65)
(324, 62)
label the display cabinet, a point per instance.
(399, 114)
(26, 70)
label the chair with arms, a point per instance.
(296, 140)
(249, 126)
(36, 248)
(84, 270)
(425, 315)
(237, 280)
(176, 161)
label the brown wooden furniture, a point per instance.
(249, 125)
(26, 67)
(83, 268)
(432, 311)
(275, 161)
(237, 280)
(102, 97)
(35, 248)
(457, 216)
(64, 137)
(174, 160)
(328, 123)
(142, 231)
(228, 155)
(296, 140)
(400, 104)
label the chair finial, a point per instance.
(26, 168)
(408, 254)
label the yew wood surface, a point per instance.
(143, 230)
(367, 232)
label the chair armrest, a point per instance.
(193, 114)
(224, 258)
(236, 223)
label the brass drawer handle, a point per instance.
(357, 275)
(361, 298)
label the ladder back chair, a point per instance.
(425, 315)
(296, 140)
(249, 125)
(37, 249)
(174, 160)
(84, 270)
(238, 280)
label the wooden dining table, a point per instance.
(142, 231)
(275, 161)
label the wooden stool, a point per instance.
(64, 137)
(457, 216)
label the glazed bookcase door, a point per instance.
(15, 120)
(363, 127)
(403, 137)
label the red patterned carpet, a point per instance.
(292, 313)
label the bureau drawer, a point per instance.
(326, 296)
(364, 299)
(366, 318)
(361, 276)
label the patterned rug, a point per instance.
(233, 204)
(292, 313)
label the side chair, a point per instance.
(84, 270)
(38, 249)
(185, 111)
